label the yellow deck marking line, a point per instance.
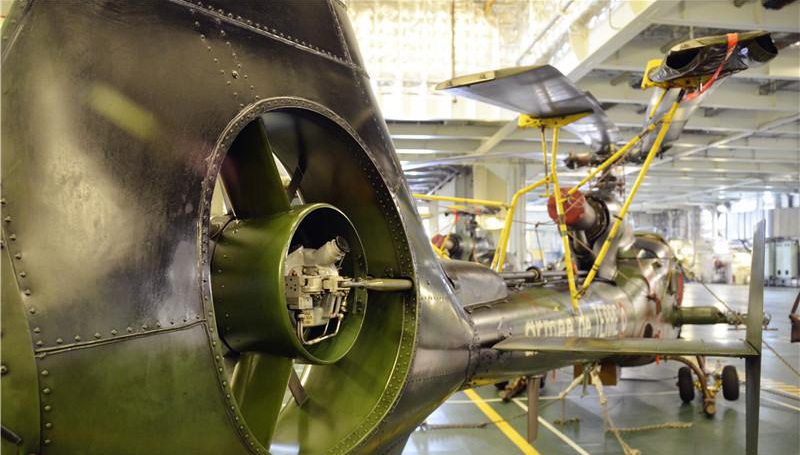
(555, 430)
(507, 429)
(555, 397)
(786, 405)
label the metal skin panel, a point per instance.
(150, 394)
(20, 379)
(474, 283)
(113, 140)
(540, 91)
(110, 200)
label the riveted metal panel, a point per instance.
(103, 399)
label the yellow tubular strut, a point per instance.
(658, 103)
(544, 159)
(618, 222)
(613, 158)
(500, 253)
(562, 228)
(463, 200)
(439, 251)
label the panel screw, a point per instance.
(48, 408)
(59, 341)
(28, 292)
(7, 219)
(36, 330)
(77, 338)
(97, 335)
(13, 236)
(3, 369)
(47, 442)
(45, 372)
(39, 343)
(48, 425)
(113, 331)
(18, 256)
(130, 330)
(46, 391)
(32, 311)
(23, 274)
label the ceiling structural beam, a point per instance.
(724, 121)
(725, 15)
(590, 47)
(700, 192)
(623, 115)
(499, 136)
(423, 147)
(790, 119)
(634, 55)
(731, 94)
(482, 150)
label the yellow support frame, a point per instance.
(562, 227)
(530, 121)
(613, 158)
(642, 172)
(500, 253)
(462, 200)
(527, 121)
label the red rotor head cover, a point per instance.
(573, 207)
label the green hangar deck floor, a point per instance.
(645, 396)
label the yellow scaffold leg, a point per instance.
(562, 227)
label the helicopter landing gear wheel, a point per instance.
(730, 383)
(685, 384)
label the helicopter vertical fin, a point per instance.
(755, 317)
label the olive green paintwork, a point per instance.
(259, 381)
(112, 144)
(698, 315)
(248, 282)
(250, 175)
(110, 204)
(20, 384)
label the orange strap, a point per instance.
(733, 38)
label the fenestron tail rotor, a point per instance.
(281, 278)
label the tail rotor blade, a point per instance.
(250, 175)
(258, 382)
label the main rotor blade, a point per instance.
(259, 382)
(250, 175)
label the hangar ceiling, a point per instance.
(745, 139)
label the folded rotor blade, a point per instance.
(540, 91)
